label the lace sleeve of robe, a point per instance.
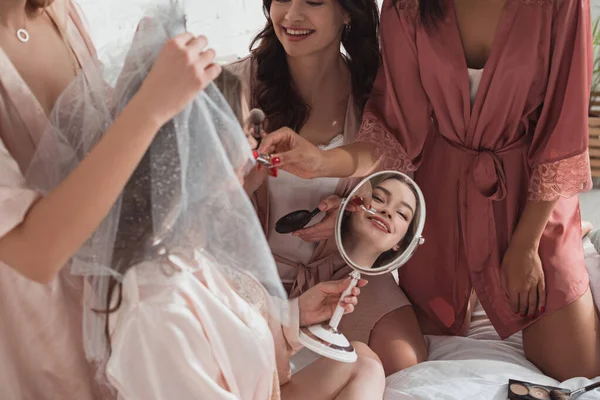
(285, 333)
(559, 156)
(397, 117)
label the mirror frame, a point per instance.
(412, 246)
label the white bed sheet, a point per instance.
(476, 367)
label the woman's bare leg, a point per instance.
(398, 341)
(326, 379)
(566, 343)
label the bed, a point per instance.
(476, 367)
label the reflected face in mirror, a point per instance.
(307, 27)
(371, 240)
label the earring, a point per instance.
(347, 29)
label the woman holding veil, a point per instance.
(43, 45)
(178, 284)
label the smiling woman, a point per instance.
(312, 28)
(306, 85)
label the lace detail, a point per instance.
(390, 155)
(338, 140)
(254, 294)
(407, 7)
(563, 178)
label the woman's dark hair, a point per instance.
(273, 90)
(135, 237)
(389, 255)
(430, 11)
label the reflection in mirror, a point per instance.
(377, 240)
(377, 230)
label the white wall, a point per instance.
(229, 24)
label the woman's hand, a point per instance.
(255, 178)
(523, 279)
(292, 153)
(318, 303)
(363, 196)
(182, 69)
(326, 228)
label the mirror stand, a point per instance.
(325, 339)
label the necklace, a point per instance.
(23, 35)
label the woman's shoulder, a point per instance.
(242, 67)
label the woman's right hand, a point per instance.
(362, 197)
(182, 69)
(319, 302)
(292, 153)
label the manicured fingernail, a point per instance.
(542, 309)
(273, 172)
(523, 315)
(275, 160)
(532, 316)
(357, 201)
(255, 154)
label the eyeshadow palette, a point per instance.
(518, 390)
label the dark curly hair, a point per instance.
(273, 90)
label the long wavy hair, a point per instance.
(273, 90)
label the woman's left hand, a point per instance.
(523, 279)
(318, 303)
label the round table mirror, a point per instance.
(372, 241)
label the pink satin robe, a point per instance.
(195, 335)
(41, 348)
(525, 139)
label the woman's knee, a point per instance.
(368, 363)
(573, 332)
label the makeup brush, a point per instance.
(257, 117)
(558, 395)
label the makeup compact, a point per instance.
(518, 390)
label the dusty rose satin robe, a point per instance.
(381, 295)
(524, 140)
(41, 349)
